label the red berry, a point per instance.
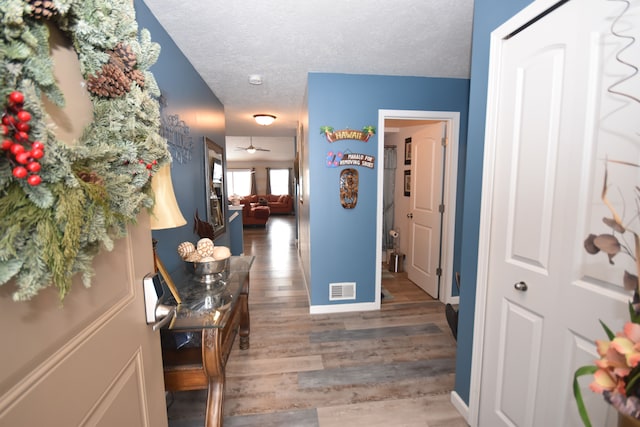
(37, 145)
(22, 136)
(19, 172)
(33, 167)
(23, 158)
(16, 97)
(22, 127)
(6, 144)
(16, 149)
(34, 180)
(36, 153)
(8, 120)
(149, 166)
(24, 116)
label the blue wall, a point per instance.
(188, 96)
(488, 15)
(343, 241)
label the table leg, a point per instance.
(245, 323)
(212, 361)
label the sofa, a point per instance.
(278, 204)
(254, 214)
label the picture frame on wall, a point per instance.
(407, 151)
(407, 183)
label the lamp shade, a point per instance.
(166, 212)
(264, 119)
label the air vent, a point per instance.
(342, 291)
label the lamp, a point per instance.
(264, 119)
(251, 150)
(166, 214)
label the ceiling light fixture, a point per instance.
(251, 150)
(264, 119)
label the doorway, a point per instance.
(390, 122)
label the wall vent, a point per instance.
(342, 291)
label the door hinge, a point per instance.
(443, 142)
(441, 208)
(438, 272)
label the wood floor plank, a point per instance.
(375, 374)
(422, 412)
(253, 367)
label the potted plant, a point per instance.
(616, 375)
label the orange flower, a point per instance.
(604, 380)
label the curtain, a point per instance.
(253, 182)
(268, 180)
(291, 189)
(389, 185)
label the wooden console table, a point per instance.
(216, 314)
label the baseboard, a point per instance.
(460, 406)
(343, 308)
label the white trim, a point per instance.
(460, 406)
(532, 11)
(344, 308)
(450, 185)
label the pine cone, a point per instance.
(42, 9)
(109, 82)
(90, 177)
(137, 76)
(125, 56)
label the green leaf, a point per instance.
(635, 317)
(582, 410)
(608, 331)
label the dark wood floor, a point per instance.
(393, 367)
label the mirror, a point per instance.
(215, 188)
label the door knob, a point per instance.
(409, 215)
(164, 314)
(521, 286)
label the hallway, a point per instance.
(393, 367)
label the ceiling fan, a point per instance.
(251, 149)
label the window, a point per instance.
(279, 180)
(239, 182)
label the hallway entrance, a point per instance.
(394, 366)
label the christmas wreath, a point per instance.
(61, 201)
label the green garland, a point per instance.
(92, 188)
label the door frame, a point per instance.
(520, 21)
(450, 178)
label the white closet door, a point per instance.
(550, 128)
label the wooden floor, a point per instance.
(393, 367)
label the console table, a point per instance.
(214, 314)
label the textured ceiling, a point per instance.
(227, 40)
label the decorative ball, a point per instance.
(205, 247)
(185, 248)
(221, 252)
(193, 257)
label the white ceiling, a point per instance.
(228, 40)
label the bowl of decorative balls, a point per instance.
(204, 260)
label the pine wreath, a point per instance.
(92, 189)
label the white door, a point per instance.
(551, 124)
(425, 217)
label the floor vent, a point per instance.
(342, 291)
